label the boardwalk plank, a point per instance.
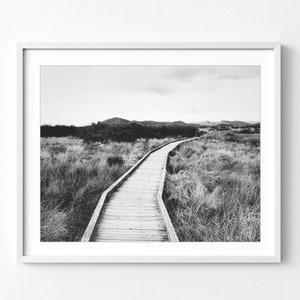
(130, 204)
(131, 237)
(134, 232)
(130, 196)
(137, 208)
(129, 241)
(133, 226)
(132, 213)
(134, 218)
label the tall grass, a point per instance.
(212, 189)
(73, 176)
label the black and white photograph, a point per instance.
(150, 153)
(150, 150)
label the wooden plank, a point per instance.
(137, 208)
(143, 189)
(145, 171)
(129, 211)
(129, 203)
(136, 182)
(152, 168)
(130, 237)
(133, 226)
(133, 213)
(126, 200)
(133, 198)
(128, 241)
(136, 192)
(153, 175)
(133, 238)
(140, 185)
(126, 195)
(125, 203)
(134, 231)
(130, 194)
(146, 179)
(137, 201)
(134, 218)
(125, 222)
(131, 222)
(132, 208)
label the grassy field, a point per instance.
(212, 188)
(73, 176)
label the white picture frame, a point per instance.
(165, 255)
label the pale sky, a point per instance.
(80, 95)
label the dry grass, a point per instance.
(212, 189)
(73, 176)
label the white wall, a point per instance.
(151, 20)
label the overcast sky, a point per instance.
(80, 95)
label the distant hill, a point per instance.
(116, 122)
(224, 122)
(179, 123)
(235, 123)
(123, 122)
(157, 123)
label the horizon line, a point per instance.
(190, 122)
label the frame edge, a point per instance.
(277, 125)
(21, 46)
(20, 152)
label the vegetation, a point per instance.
(73, 176)
(212, 188)
(121, 130)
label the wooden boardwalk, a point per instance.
(133, 210)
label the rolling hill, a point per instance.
(116, 122)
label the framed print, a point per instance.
(149, 152)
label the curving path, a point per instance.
(134, 211)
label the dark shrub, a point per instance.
(115, 160)
(128, 132)
(172, 153)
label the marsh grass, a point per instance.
(73, 176)
(212, 189)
